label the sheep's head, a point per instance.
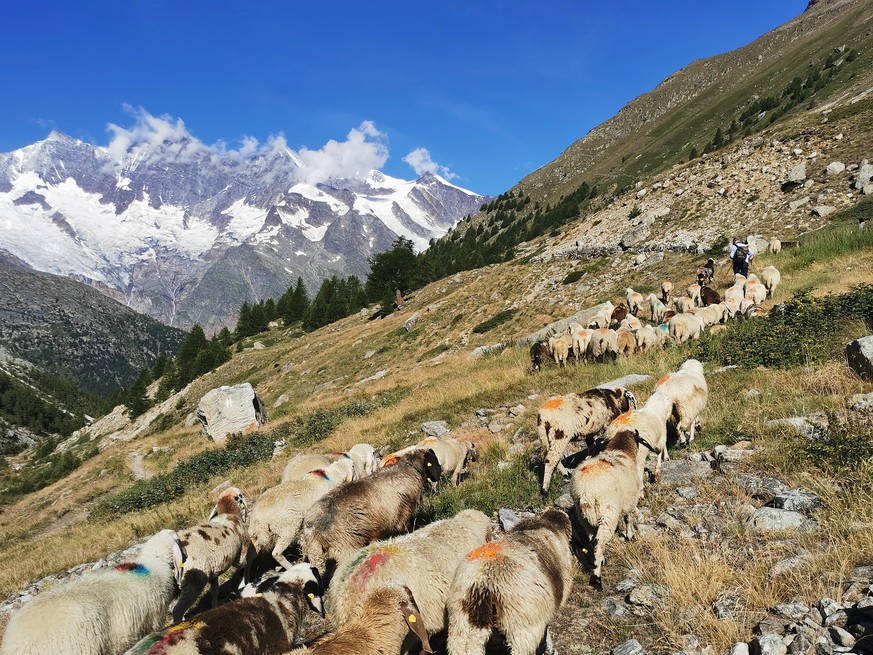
(432, 466)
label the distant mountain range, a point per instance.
(185, 235)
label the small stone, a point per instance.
(855, 592)
(838, 619)
(748, 394)
(840, 637)
(688, 493)
(727, 606)
(798, 500)
(835, 168)
(762, 488)
(496, 426)
(281, 400)
(815, 616)
(631, 647)
(258, 345)
(791, 611)
(410, 322)
(859, 355)
(861, 574)
(800, 202)
(767, 519)
(565, 502)
(861, 402)
(771, 644)
(517, 411)
(771, 625)
(507, 519)
(369, 354)
(626, 585)
(435, 428)
(823, 647)
(800, 645)
(828, 607)
(616, 608)
(648, 595)
(789, 564)
(741, 648)
(823, 210)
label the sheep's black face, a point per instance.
(432, 466)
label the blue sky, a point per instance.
(492, 90)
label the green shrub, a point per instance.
(635, 211)
(494, 321)
(802, 331)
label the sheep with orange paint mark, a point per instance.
(514, 586)
(563, 419)
(424, 561)
(688, 394)
(606, 489)
(603, 345)
(452, 454)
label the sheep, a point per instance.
(668, 315)
(663, 332)
(650, 421)
(351, 516)
(753, 311)
(605, 489)
(602, 318)
(618, 314)
(631, 323)
(452, 454)
(626, 342)
(604, 345)
(684, 327)
(102, 613)
(688, 392)
(560, 347)
(683, 304)
(646, 338)
(539, 355)
(775, 245)
(424, 561)
(714, 314)
(581, 338)
(709, 296)
(513, 586)
(267, 623)
(381, 623)
(277, 516)
(755, 292)
(563, 419)
(362, 455)
(694, 294)
(666, 288)
(734, 295)
(657, 307)
(771, 279)
(634, 300)
(212, 548)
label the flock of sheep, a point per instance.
(617, 331)
(383, 588)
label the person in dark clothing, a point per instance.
(740, 255)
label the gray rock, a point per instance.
(635, 236)
(626, 585)
(861, 574)
(861, 402)
(496, 426)
(688, 493)
(615, 608)
(835, 168)
(823, 210)
(828, 607)
(369, 354)
(791, 611)
(859, 355)
(631, 647)
(507, 518)
(823, 646)
(800, 645)
(797, 500)
(800, 202)
(435, 428)
(626, 381)
(410, 322)
(678, 472)
(482, 351)
(227, 410)
(840, 637)
(797, 173)
(565, 502)
(864, 176)
(838, 619)
(771, 644)
(771, 625)
(727, 605)
(740, 648)
(648, 595)
(726, 454)
(811, 427)
(518, 410)
(767, 519)
(281, 400)
(258, 346)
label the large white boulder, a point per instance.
(226, 410)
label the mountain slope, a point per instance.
(66, 328)
(148, 224)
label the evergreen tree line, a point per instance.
(21, 405)
(772, 108)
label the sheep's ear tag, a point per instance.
(259, 595)
(416, 626)
(430, 464)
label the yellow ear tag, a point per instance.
(258, 595)
(429, 464)
(312, 595)
(412, 618)
(181, 565)
(585, 550)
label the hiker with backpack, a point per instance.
(740, 255)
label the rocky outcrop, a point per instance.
(227, 410)
(859, 355)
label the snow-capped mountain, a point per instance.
(186, 234)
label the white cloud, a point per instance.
(421, 162)
(364, 149)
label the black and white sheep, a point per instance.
(102, 613)
(351, 516)
(539, 355)
(513, 586)
(266, 624)
(563, 419)
(424, 561)
(212, 549)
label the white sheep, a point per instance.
(683, 304)
(102, 613)
(362, 455)
(756, 293)
(212, 549)
(267, 623)
(694, 294)
(714, 314)
(514, 586)
(650, 421)
(775, 245)
(634, 300)
(666, 289)
(604, 345)
(647, 338)
(563, 419)
(688, 393)
(425, 561)
(771, 278)
(560, 346)
(581, 338)
(657, 307)
(625, 342)
(734, 296)
(630, 323)
(452, 454)
(277, 516)
(606, 489)
(684, 327)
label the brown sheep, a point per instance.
(618, 314)
(539, 355)
(709, 296)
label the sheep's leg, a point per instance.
(192, 586)
(525, 640)
(213, 588)
(605, 530)
(463, 636)
(553, 458)
(283, 542)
